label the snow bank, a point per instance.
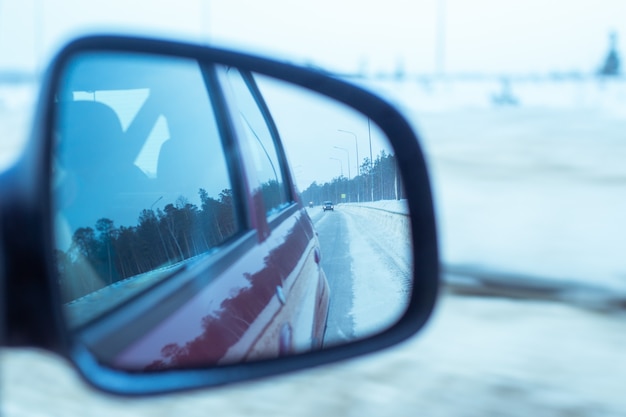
(380, 248)
(390, 220)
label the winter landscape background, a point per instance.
(529, 186)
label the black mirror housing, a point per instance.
(34, 315)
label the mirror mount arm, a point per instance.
(30, 315)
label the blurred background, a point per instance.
(521, 109)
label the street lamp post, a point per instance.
(341, 166)
(158, 226)
(348, 154)
(369, 134)
(440, 48)
(157, 200)
(349, 176)
(358, 168)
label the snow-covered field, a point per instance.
(535, 189)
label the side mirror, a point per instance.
(185, 216)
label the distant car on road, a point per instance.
(328, 205)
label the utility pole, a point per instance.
(358, 170)
(369, 133)
(440, 47)
(205, 18)
(38, 23)
(349, 176)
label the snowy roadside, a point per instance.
(381, 239)
(533, 189)
(387, 219)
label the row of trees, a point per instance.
(377, 180)
(105, 254)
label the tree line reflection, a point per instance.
(379, 179)
(106, 253)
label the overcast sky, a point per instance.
(351, 35)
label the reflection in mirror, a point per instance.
(204, 215)
(116, 218)
(348, 179)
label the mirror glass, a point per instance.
(207, 215)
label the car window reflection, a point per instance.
(261, 144)
(141, 183)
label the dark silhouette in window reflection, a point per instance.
(98, 171)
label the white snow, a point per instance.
(380, 297)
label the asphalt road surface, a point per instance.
(332, 231)
(369, 275)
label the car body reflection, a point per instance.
(205, 254)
